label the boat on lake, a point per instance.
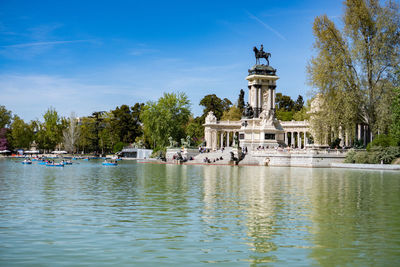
(53, 164)
(26, 161)
(110, 163)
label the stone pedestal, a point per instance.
(262, 128)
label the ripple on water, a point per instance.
(148, 214)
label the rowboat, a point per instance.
(110, 163)
(55, 164)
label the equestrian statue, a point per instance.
(261, 54)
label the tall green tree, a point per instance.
(126, 122)
(215, 104)
(22, 134)
(88, 140)
(5, 117)
(50, 132)
(284, 102)
(395, 126)
(166, 117)
(298, 105)
(233, 114)
(195, 130)
(354, 66)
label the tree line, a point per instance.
(143, 124)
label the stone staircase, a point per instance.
(226, 155)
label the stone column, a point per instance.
(305, 138)
(259, 99)
(273, 98)
(365, 134)
(214, 140)
(359, 131)
(286, 139)
(227, 139)
(299, 139)
(221, 139)
(292, 139)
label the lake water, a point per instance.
(172, 215)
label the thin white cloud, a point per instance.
(142, 51)
(34, 44)
(266, 26)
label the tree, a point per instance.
(354, 66)
(88, 140)
(71, 134)
(49, 133)
(4, 143)
(284, 102)
(21, 133)
(284, 115)
(241, 104)
(166, 117)
(233, 114)
(195, 130)
(395, 126)
(126, 122)
(215, 104)
(298, 105)
(5, 117)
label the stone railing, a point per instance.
(294, 123)
(301, 151)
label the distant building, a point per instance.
(136, 153)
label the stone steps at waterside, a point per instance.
(213, 156)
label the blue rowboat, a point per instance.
(26, 162)
(54, 164)
(42, 163)
(110, 163)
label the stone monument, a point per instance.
(261, 128)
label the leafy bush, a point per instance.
(350, 156)
(382, 140)
(361, 157)
(358, 143)
(386, 154)
(376, 155)
(118, 147)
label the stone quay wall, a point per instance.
(301, 158)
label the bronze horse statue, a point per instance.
(261, 54)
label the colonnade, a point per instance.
(224, 136)
(301, 137)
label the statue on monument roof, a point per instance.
(261, 54)
(211, 118)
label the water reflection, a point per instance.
(356, 217)
(264, 202)
(171, 214)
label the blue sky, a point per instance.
(86, 56)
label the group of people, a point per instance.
(207, 160)
(203, 150)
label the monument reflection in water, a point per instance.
(324, 216)
(148, 214)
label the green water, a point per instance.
(171, 215)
